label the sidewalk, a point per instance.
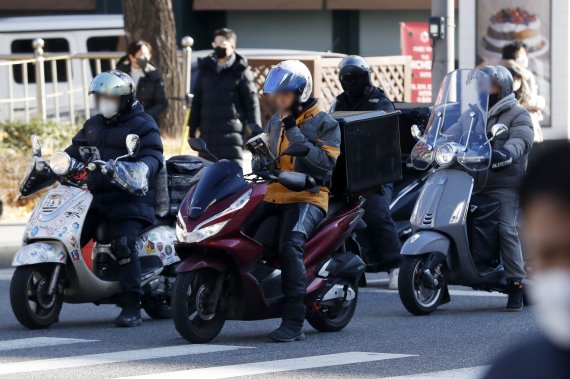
(10, 241)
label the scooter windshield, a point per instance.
(219, 180)
(459, 119)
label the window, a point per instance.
(52, 45)
(106, 43)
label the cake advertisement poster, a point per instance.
(500, 22)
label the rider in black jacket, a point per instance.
(124, 214)
(360, 95)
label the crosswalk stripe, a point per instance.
(29, 343)
(451, 292)
(461, 373)
(267, 367)
(114, 357)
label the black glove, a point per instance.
(289, 122)
(500, 159)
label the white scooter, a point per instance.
(50, 267)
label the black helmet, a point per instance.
(354, 74)
(501, 77)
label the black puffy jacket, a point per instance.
(374, 100)
(150, 90)
(223, 102)
(109, 138)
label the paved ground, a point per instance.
(383, 341)
(10, 240)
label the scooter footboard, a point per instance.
(40, 252)
(424, 242)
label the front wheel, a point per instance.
(418, 298)
(32, 305)
(193, 315)
(334, 317)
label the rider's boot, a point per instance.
(516, 295)
(291, 328)
(131, 313)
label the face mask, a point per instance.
(550, 292)
(220, 52)
(523, 61)
(107, 107)
(142, 62)
(516, 85)
(355, 87)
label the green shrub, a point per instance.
(15, 135)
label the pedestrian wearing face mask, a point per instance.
(515, 59)
(225, 106)
(545, 202)
(147, 78)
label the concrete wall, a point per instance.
(303, 30)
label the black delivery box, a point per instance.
(369, 152)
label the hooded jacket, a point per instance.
(518, 141)
(150, 90)
(321, 133)
(108, 136)
(374, 100)
(223, 102)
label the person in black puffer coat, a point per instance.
(148, 79)
(360, 95)
(225, 98)
(124, 214)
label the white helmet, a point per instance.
(290, 76)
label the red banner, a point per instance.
(415, 42)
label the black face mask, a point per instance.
(493, 99)
(142, 62)
(220, 52)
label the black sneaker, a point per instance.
(516, 295)
(284, 334)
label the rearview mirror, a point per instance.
(198, 144)
(133, 143)
(416, 132)
(36, 146)
(498, 129)
(297, 150)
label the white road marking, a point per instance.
(451, 292)
(461, 373)
(106, 358)
(268, 367)
(30, 343)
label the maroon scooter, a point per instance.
(228, 275)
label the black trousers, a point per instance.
(122, 234)
(297, 222)
(381, 231)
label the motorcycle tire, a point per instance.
(327, 320)
(159, 310)
(193, 326)
(29, 283)
(411, 289)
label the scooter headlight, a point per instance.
(200, 234)
(444, 155)
(60, 163)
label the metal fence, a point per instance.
(54, 86)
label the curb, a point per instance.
(7, 254)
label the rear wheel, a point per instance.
(334, 317)
(32, 305)
(418, 298)
(192, 314)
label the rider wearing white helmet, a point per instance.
(298, 120)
